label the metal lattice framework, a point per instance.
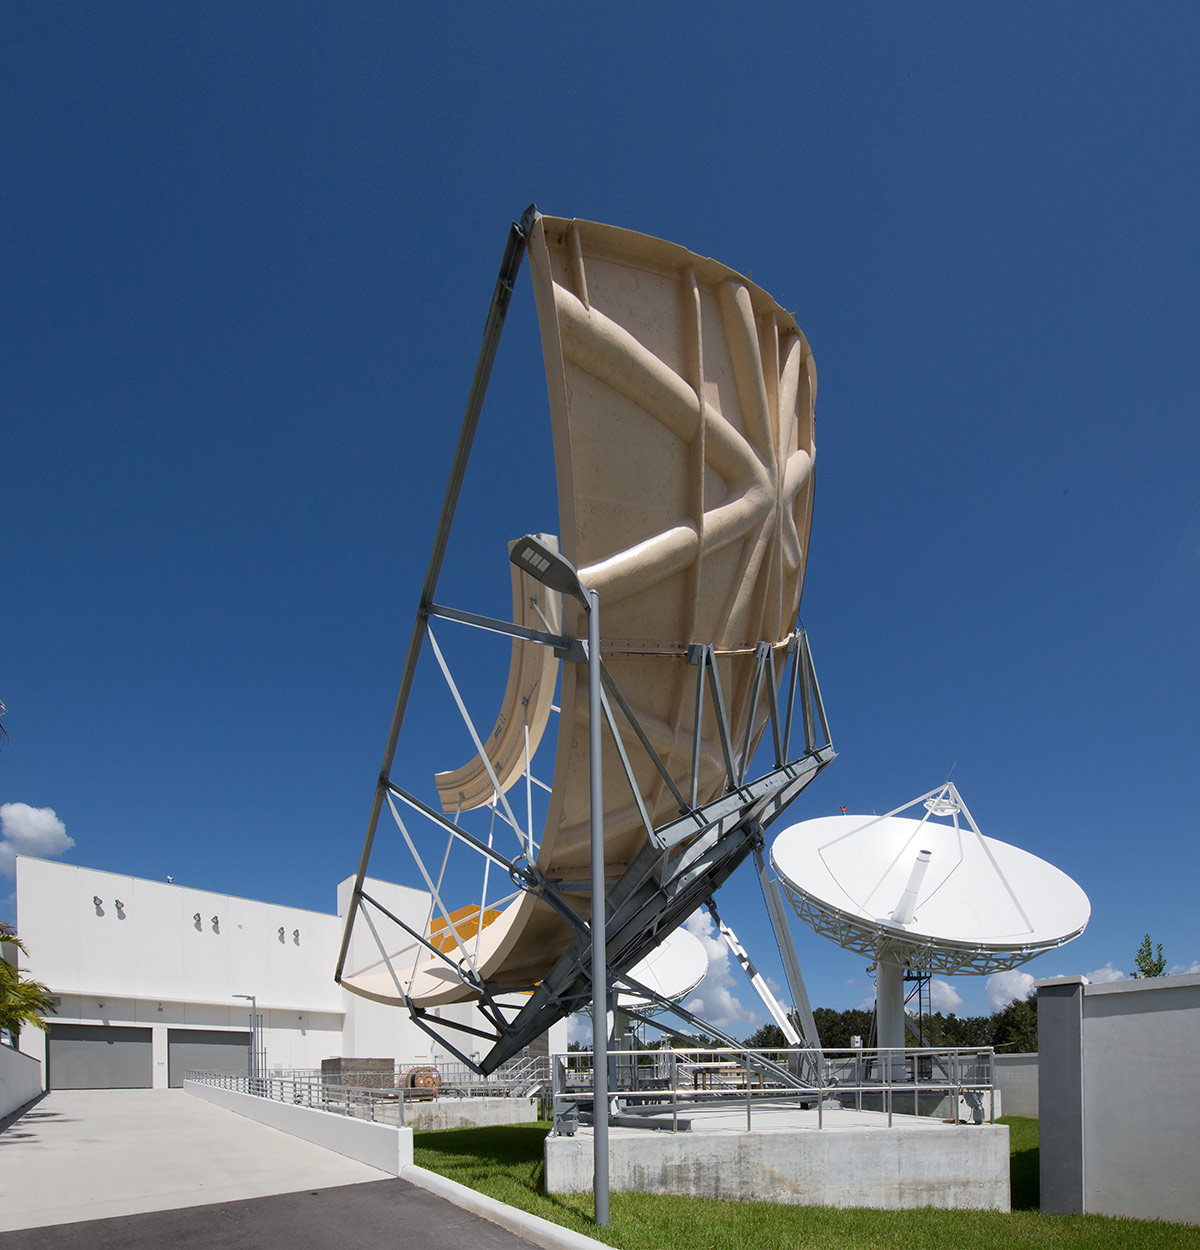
(701, 653)
(928, 956)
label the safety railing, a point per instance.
(521, 1077)
(385, 1106)
(381, 1096)
(651, 1085)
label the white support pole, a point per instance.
(787, 952)
(771, 1003)
(889, 1009)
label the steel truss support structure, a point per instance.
(683, 861)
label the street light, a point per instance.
(556, 572)
(252, 1066)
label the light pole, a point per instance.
(555, 571)
(252, 1066)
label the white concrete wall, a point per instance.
(382, 1146)
(1017, 1084)
(959, 1167)
(152, 963)
(1120, 1097)
(20, 1078)
(469, 1112)
(153, 945)
(559, 1037)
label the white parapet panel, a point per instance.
(102, 935)
(121, 951)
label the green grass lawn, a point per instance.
(1025, 1182)
(506, 1163)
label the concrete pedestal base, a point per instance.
(469, 1112)
(854, 1161)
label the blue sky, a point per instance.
(247, 255)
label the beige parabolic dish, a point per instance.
(681, 400)
(527, 699)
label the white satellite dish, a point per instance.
(673, 969)
(931, 894)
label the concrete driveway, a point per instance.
(158, 1168)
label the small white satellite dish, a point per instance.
(925, 894)
(673, 969)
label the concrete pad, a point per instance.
(90, 1154)
(854, 1160)
(468, 1112)
(730, 1117)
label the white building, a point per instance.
(149, 978)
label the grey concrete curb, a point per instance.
(533, 1228)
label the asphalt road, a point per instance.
(389, 1214)
(161, 1170)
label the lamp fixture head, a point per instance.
(96, 900)
(548, 566)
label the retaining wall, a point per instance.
(20, 1080)
(1119, 1097)
(382, 1146)
(1017, 1084)
(469, 1112)
(954, 1166)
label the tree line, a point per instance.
(1013, 1029)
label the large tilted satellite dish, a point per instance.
(681, 408)
(929, 894)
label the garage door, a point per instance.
(99, 1056)
(206, 1049)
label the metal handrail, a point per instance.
(520, 1077)
(366, 1095)
(307, 1091)
(657, 1080)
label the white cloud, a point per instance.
(26, 830)
(944, 997)
(1005, 987)
(579, 1029)
(1177, 969)
(715, 1000)
(1103, 975)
